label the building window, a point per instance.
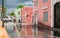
(45, 1)
(45, 16)
(18, 12)
(45, 35)
(36, 3)
(19, 21)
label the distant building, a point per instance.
(26, 15)
(17, 14)
(27, 12)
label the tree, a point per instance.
(12, 13)
(20, 6)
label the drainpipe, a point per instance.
(35, 10)
(33, 25)
(36, 25)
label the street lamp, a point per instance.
(2, 14)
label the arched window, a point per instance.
(57, 15)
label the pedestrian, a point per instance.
(14, 20)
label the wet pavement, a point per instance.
(10, 30)
(25, 32)
(3, 33)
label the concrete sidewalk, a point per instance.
(3, 33)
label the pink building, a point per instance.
(45, 19)
(44, 11)
(27, 14)
(27, 21)
(43, 8)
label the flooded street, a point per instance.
(10, 30)
(25, 32)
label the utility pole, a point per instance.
(2, 14)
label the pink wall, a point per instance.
(28, 10)
(40, 11)
(28, 21)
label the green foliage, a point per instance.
(20, 6)
(12, 14)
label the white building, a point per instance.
(17, 14)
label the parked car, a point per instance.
(7, 20)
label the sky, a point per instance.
(12, 4)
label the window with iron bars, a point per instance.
(36, 3)
(45, 16)
(45, 1)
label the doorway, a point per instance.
(57, 18)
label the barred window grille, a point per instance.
(45, 16)
(45, 1)
(36, 3)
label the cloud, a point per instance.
(22, 1)
(10, 9)
(12, 4)
(29, 3)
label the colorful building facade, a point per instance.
(44, 10)
(17, 14)
(27, 21)
(27, 14)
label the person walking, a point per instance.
(14, 21)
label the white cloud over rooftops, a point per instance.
(29, 3)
